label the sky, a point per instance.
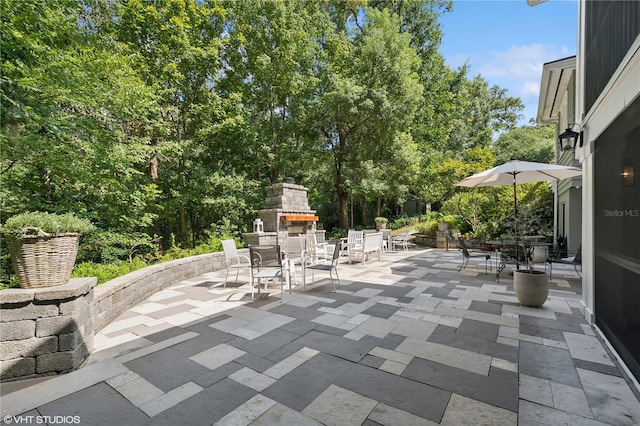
(508, 41)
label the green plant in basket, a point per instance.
(43, 246)
(21, 225)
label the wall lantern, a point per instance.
(568, 139)
(628, 174)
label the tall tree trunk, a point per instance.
(158, 228)
(153, 167)
(343, 198)
(341, 190)
(364, 211)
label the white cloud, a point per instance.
(529, 90)
(522, 62)
(519, 69)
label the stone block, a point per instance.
(62, 361)
(99, 321)
(69, 341)
(55, 325)
(74, 305)
(88, 343)
(16, 295)
(104, 304)
(88, 327)
(27, 311)
(59, 362)
(74, 288)
(28, 347)
(17, 330)
(17, 367)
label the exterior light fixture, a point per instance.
(628, 174)
(568, 139)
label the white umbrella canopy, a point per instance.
(516, 172)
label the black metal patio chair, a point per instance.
(466, 255)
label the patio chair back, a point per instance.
(230, 250)
(233, 259)
(266, 256)
(295, 247)
(331, 267)
(266, 264)
(575, 261)
(466, 255)
(355, 237)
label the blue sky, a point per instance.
(508, 41)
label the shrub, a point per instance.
(337, 234)
(110, 246)
(429, 228)
(108, 271)
(400, 222)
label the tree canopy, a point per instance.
(168, 118)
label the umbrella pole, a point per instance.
(515, 220)
(515, 209)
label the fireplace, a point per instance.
(286, 213)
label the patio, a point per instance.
(405, 340)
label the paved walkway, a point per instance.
(405, 340)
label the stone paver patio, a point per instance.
(405, 340)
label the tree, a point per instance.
(176, 45)
(270, 64)
(371, 93)
(72, 121)
(526, 143)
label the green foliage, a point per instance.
(115, 268)
(110, 246)
(48, 222)
(527, 143)
(468, 205)
(381, 219)
(109, 271)
(212, 245)
(337, 234)
(12, 283)
(162, 122)
(429, 227)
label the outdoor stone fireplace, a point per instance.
(286, 213)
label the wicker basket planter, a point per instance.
(43, 260)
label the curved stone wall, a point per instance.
(47, 331)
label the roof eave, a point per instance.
(553, 88)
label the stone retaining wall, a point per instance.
(47, 331)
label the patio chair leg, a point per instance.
(226, 277)
(464, 263)
(251, 283)
(304, 277)
(332, 284)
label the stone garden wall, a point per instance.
(47, 331)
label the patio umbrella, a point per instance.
(515, 172)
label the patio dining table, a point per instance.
(508, 251)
